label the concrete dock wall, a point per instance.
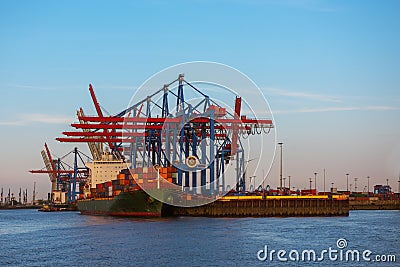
(374, 205)
(264, 208)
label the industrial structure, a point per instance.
(199, 138)
(65, 179)
(171, 154)
(10, 199)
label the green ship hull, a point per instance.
(127, 204)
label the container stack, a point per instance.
(169, 174)
(123, 183)
(134, 179)
(218, 111)
(148, 176)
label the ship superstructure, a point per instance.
(105, 169)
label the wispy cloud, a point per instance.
(27, 87)
(31, 87)
(333, 109)
(25, 119)
(307, 95)
(116, 87)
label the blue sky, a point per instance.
(330, 70)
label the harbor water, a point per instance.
(32, 238)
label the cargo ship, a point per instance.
(123, 196)
(127, 204)
(114, 190)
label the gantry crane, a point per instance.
(96, 148)
(48, 162)
(62, 175)
(197, 138)
(112, 145)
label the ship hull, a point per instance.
(127, 204)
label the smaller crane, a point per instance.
(62, 174)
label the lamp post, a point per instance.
(398, 186)
(245, 172)
(289, 184)
(254, 182)
(347, 187)
(280, 169)
(368, 185)
(263, 178)
(315, 182)
(387, 184)
(332, 187)
(310, 184)
(355, 184)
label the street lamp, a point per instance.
(315, 181)
(244, 175)
(347, 188)
(368, 185)
(310, 184)
(398, 187)
(289, 183)
(355, 184)
(254, 182)
(280, 171)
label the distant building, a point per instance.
(308, 192)
(382, 189)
